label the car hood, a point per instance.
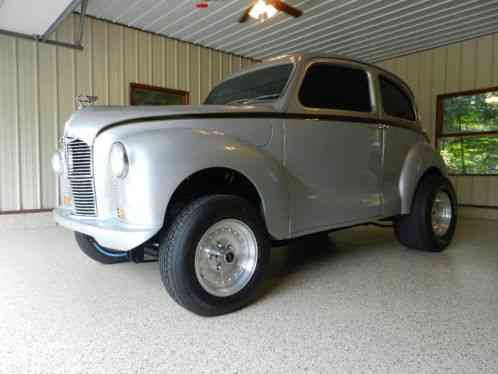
(87, 123)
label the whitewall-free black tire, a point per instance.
(432, 221)
(214, 255)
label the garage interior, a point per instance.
(355, 302)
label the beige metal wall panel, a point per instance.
(158, 61)
(194, 77)
(130, 61)
(84, 63)
(453, 68)
(183, 62)
(9, 128)
(438, 86)
(425, 100)
(216, 67)
(172, 63)
(495, 60)
(116, 51)
(47, 88)
(246, 63)
(465, 189)
(480, 190)
(489, 214)
(38, 84)
(100, 61)
(484, 69)
(29, 124)
(493, 191)
(226, 65)
(205, 71)
(469, 65)
(461, 66)
(413, 72)
(144, 58)
(236, 64)
(193, 81)
(66, 76)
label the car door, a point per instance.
(400, 134)
(333, 149)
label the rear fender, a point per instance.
(421, 158)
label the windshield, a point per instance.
(260, 85)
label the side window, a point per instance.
(327, 86)
(395, 101)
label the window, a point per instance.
(395, 101)
(467, 131)
(260, 85)
(141, 94)
(338, 87)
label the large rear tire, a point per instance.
(432, 221)
(214, 255)
(96, 252)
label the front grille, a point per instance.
(79, 166)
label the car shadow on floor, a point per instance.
(300, 253)
(309, 256)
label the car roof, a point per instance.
(303, 58)
(306, 57)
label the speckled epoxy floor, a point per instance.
(358, 303)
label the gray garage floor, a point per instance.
(356, 303)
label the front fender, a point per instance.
(419, 160)
(160, 160)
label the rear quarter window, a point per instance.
(328, 86)
(395, 101)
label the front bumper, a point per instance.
(111, 234)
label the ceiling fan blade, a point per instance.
(283, 7)
(245, 15)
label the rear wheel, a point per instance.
(432, 221)
(214, 255)
(96, 252)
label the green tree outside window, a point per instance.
(468, 132)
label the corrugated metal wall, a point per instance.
(463, 66)
(38, 84)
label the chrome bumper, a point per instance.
(111, 234)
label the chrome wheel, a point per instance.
(226, 257)
(442, 213)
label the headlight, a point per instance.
(119, 160)
(58, 163)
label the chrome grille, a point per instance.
(79, 168)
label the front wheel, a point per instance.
(96, 252)
(214, 255)
(432, 221)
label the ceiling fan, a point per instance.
(264, 9)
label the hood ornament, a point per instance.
(83, 101)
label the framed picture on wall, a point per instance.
(141, 94)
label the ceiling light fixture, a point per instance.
(261, 11)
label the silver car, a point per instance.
(294, 146)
